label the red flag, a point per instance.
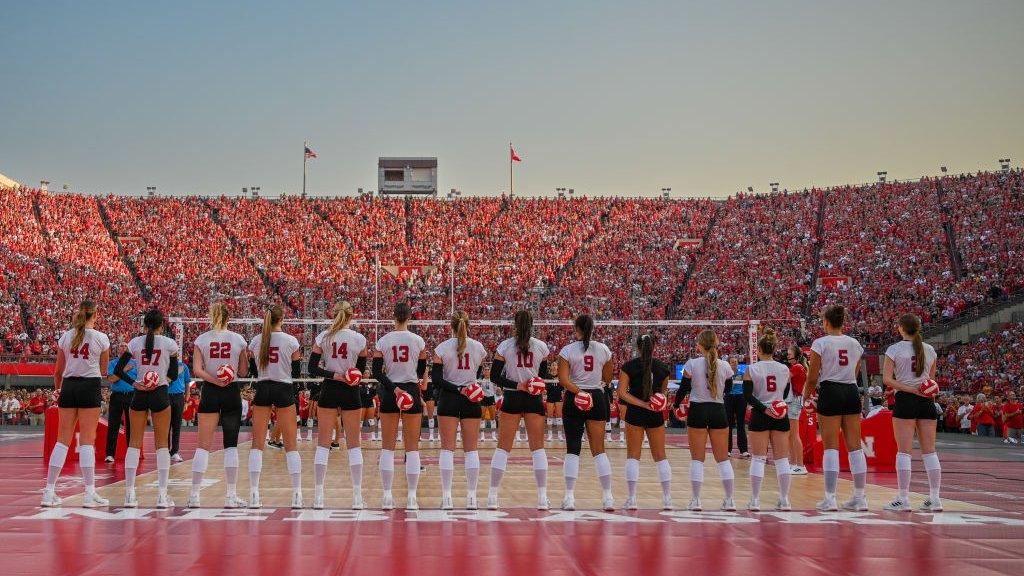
(515, 157)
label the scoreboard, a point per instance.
(412, 175)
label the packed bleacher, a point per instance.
(990, 364)
(934, 247)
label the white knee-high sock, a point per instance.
(540, 468)
(294, 463)
(131, 466)
(255, 467)
(472, 471)
(498, 463)
(412, 470)
(859, 471)
(320, 459)
(571, 471)
(57, 458)
(446, 462)
(830, 468)
(231, 469)
(199, 464)
(387, 469)
(756, 475)
(163, 468)
(728, 477)
(903, 473)
(87, 462)
(934, 471)
(604, 472)
(632, 476)
(355, 466)
(696, 477)
(783, 473)
(664, 476)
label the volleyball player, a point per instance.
(155, 354)
(430, 397)
(767, 381)
(517, 360)
(82, 357)
(369, 400)
(487, 405)
(908, 364)
(277, 356)
(704, 380)
(399, 363)
(341, 349)
(639, 379)
(455, 366)
(220, 400)
(797, 378)
(833, 363)
(584, 368)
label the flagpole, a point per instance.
(376, 297)
(305, 144)
(510, 169)
(451, 275)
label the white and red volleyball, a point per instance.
(226, 374)
(475, 392)
(778, 408)
(811, 403)
(150, 380)
(929, 388)
(658, 401)
(404, 400)
(584, 401)
(535, 386)
(353, 376)
(498, 404)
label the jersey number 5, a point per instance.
(844, 358)
(588, 363)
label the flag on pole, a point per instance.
(310, 153)
(515, 157)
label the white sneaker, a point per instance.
(309, 436)
(233, 501)
(412, 503)
(798, 471)
(446, 502)
(193, 501)
(630, 503)
(930, 505)
(608, 503)
(666, 503)
(754, 505)
(729, 505)
(130, 499)
(471, 501)
(898, 505)
(388, 501)
(164, 501)
(694, 505)
(856, 504)
(296, 500)
(569, 502)
(177, 458)
(254, 500)
(492, 501)
(827, 504)
(543, 503)
(94, 500)
(783, 505)
(318, 500)
(108, 459)
(357, 499)
(50, 499)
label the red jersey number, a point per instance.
(844, 358)
(464, 361)
(339, 351)
(524, 360)
(399, 353)
(150, 359)
(81, 352)
(588, 363)
(273, 354)
(220, 350)
(769, 383)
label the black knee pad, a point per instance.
(231, 422)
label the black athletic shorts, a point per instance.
(456, 405)
(643, 417)
(274, 393)
(215, 399)
(555, 393)
(388, 404)
(710, 415)
(76, 392)
(839, 399)
(761, 422)
(519, 402)
(367, 394)
(599, 411)
(156, 400)
(913, 407)
(314, 391)
(340, 396)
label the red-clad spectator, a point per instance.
(1013, 418)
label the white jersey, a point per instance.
(902, 356)
(586, 367)
(159, 360)
(341, 350)
(839, 358)
(771, 380)
(220, 348)
(701, 390)
(401, 351)
(521, 367)
(461, 369)
(279, 366)
(83, 362)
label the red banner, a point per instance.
(835, 281)
(25, 369)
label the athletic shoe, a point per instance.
(856, 504)
(233, 501)
(666, 503)
(898, 505)
(108, 459)
(412, 503)
(543, 503)
(50, 499)
(335, 445)
(164, 501)
(471, 501)
(254, 500)
(798, 471)
(275, 445)
(745, 455)
(569, 502)
(296, 500)
(783, 505)
(827, 504)
(608, 503)
(446, 502)
(309, 436)
(630, 503)
(318, 500)
(728, 505)
(176, 458)
(131, 500)
(754, 505)
(357, 499)
(694, 505)
(193, 501)
(931, 505)
(94, 500)
(492, 501)
(388, 501)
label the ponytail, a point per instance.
(342, 316)
(911, 326)
(645, 344)
(270, 319)
(585, 324)
(767, 342)
(460, 325)
(708, 341)
(85, 313)
(218, 316)
(524, 325)
(152, 321)
(799, 356)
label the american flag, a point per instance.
(310, 153)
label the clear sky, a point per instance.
(604, 97)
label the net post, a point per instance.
(752, 327)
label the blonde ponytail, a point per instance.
(708, 341)
(218, 316)
(270, 319)
(460, 325)
(85, 313)
(342, 313)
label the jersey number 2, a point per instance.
(220, 350)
